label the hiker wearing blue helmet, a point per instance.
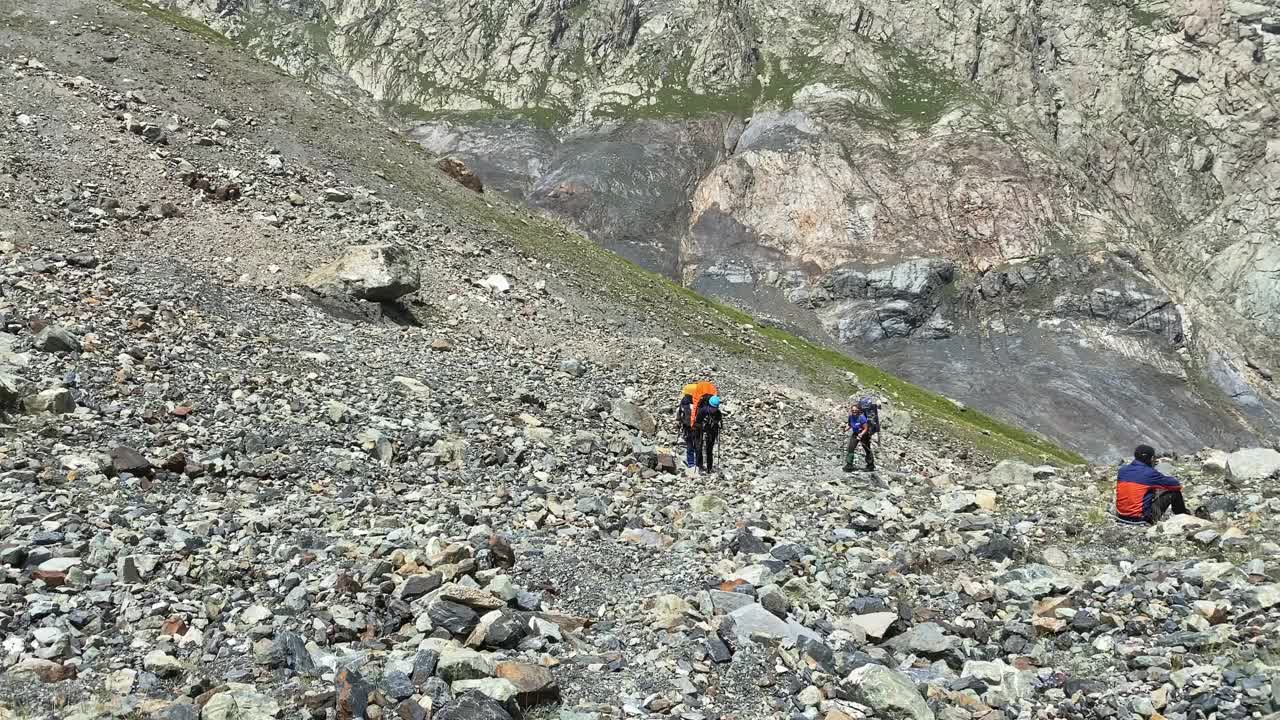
(707, 430)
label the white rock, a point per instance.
(497, 282)
(255, 614)
(240, 702)
(874, 625)
(1254, 463)
(1179, 524)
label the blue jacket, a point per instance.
(1136, 484)
(857, 422)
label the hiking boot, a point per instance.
(848, 468)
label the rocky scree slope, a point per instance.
(1081, 189)
(231, 490)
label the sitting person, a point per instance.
(1144, 494)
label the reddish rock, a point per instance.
(457, 170)
(534, 682)
(174, 626)
(352, 695)
(176, 463)
(502, 552)
(346, 585)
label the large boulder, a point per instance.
(890, 694)
(473, 705)
(240, 702)
(461, 174)
(754, 619)
(380, 273)
(57, 401)
(634, 417)
(1010, 472)
(925, 639)
(1254, 463)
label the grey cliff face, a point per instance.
(910, 180)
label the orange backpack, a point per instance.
(704, 389)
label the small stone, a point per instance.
(162, 664)
(424, 665)
(925, 639)
(352, 695)
(497, 282)
(121, 682)
(634, 417)
(473, 705)
(416, 586)
(255, 614)
(290, 650)
(240, 702)
(874, 625)
(397, 685)
(573, 367)
(718, 650)
(461, 174)
(456, 618)
(534, 684)
(55, 401)
(668, 611)
(810, 697)
(45, 671)
(462, 664)
(498, 689)
(471, 597)
(126, 460)
(888, 693)
(55, 339)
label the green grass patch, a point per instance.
(539, 117)
(181, 22)
(916, 90)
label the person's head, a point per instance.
(1144, 454)
(714, 401)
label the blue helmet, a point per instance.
(714, 401)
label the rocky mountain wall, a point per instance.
(770, 150)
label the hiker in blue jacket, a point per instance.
(1143, 493)
(863, 424)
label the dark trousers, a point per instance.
(706, 445)
(1165, 501)
(851, 451)
(690, 447)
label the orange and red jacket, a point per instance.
(1136, 487)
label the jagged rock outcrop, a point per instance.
(756, 148)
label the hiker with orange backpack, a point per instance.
(693, 398)
(707, 432)
(684, 423)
